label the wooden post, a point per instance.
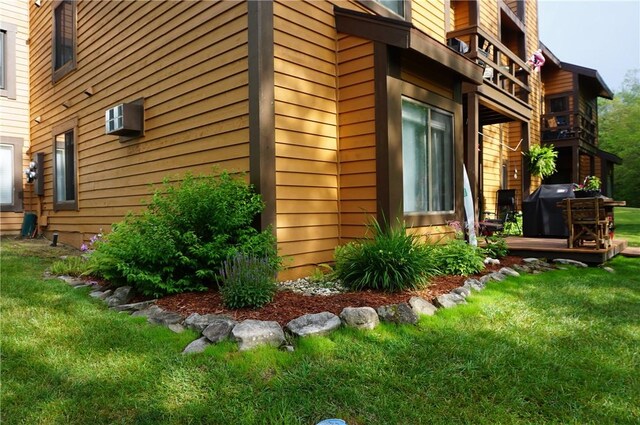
(471, 146)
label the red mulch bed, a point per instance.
(287, 305)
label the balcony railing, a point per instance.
(503, 70)
(565, 125)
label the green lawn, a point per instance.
(562, 347)
(628, 225)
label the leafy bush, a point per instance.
(188, 230)
(456, 257)
(542, 160)
(496, 247)
(392, 261)
(71, 266)
(248, 281)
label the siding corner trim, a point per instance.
(261, 107)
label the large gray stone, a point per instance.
(397, 313)
(449, 300)
(508, 271)
(158, 316)
(422, 306)
(135, 306)
(473, 284)
(359, 317)
(197, 346)
(462, 291)
(531, 260)
(121, 295)
(199, 322)
(314, 324)
(219, 329)
(252, 333)
(73, 281)
(570, 262)
(101, 295)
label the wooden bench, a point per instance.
(587, 221)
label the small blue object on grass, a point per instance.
(332, 422)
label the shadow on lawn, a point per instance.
(559, 355)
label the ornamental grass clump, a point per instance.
(248, 281)
(391, 261)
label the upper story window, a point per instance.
(559, 104)
(3, 61)
(390, 8)
(64, 38)
(396, 6)
(8, 60)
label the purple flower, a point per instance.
(84, 247)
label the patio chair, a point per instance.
(587, 221)
(505, 214)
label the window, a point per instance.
(10, 174)
(390, 8)
(8, 60)
(427, 158)
(396, 6)
(559, 104)
(64, 38)
(64, 168)
(3, 61)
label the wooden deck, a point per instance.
(551, 248)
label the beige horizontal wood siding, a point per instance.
(489, 17)
(188, 60)
(515, 160)
(493, 153)
(558, 81)
(14, 113)
(429, 17)
(306, 134)
(357, 135)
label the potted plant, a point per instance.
(542, 160)
(590, 188)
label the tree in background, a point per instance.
(619, 133)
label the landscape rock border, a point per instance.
(248, 334)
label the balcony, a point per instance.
(503, 69)
(559, 126)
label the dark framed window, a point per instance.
(64, 38)
(427, 158)
(8, 60)
(422, 177)
(390, 8)
(65, 167)
(11, 188)
(559, 104)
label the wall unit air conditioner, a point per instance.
(125, 119)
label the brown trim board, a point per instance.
(262, 159)
(402, 34)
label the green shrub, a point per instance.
(496, 247)
(248, 281)
(456, 257)
(392, 261)
(71, 266)
(542, 160)
(188, 230)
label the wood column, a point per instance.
(471, 145)
(526, 174)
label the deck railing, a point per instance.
(503, 69)
(564, 125)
